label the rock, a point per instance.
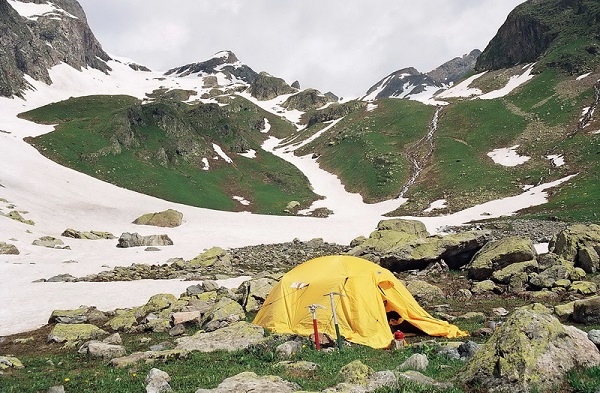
(531, 350)
(583, 287)
(464, 293)
(418, 362)
(225, 310)
(148, 357)
(505, 275)
(423, 291)
(455, 250)
(412, 227)
(15, 215)
(594, 336)
(80, 315)
(179, 318)
(57, 389)
(72, 335)
(254, 292)
(417, 378)
(325, 340)
(136, 240)
(209, 285)
(236, 336)
(482, 332)
(498, 254)
(91, 235)
(215, 258)
(472, 315)
(468, 349)
(587, 311)
(288, 349)
(7, 362)
(62, 278)
(378, 380)
(177, 330)
(250, 382)
(577, 274)
(588, 259)
(158, 302)
(355, 373)
(564, 310)
(485, 286)
(564, 283)
(8, 249)
(167, 219)
(157, 381)
(124, 321)
(114, 338)
(301, 368)
(266, 87)
(306, 100)
(102, 350)
(567, 243)
(49, 242)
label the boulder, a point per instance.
(587, 311)
(185, 317)
(532, 350)
(148, 357)
(8, 249)
(300, 368)
(583, 287)
(594, 336)
(418, 362)
(157, 381)
(254, 292)
(97, 349)
(73, 335)
(423, 291)
(504, 275)
(124, 321)
(356, 372)
(412, 227)
(231, 338)
(80, 315)
(49, 242)
(214, 257)
(578, 243)
(250, 382)
(167, 219)
(91, 235)
(455, 250)
(484, 287)
(288, 349)
(378, 381)
(417, 378)
(266, 87)
(498, 254)
(15, 215)
(136, 240)
(7, 362)
(225, 310)
(177, 330)
(564, 310)
(158, 302)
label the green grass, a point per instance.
(115, 139)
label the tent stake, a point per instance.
(313, 310)
(335, 320)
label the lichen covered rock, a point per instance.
(498, 254)
(167, 219)
(251, 382)
(72, 335)
(8, 249)
(231, 338)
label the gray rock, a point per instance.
(498, 254)
(114, 339)
(570, 241)
(168, 219)
(594, 336)
(255, 291)
(225, 310)
(102, 350)
(8, 249)
(420, 379)
(418, 362)
(49, 242)
(177, 330)
(91, 235)
(250, 382)
(288, 349)
(148, 357)
(62, 278)
(157, 381)
(57, 389)
(136, 240)
(587, 311)
(236, 336)
(468, 349)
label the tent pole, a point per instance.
(335, 320)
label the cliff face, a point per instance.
(32, 44)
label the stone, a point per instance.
(177, 330)
(225, 310)
(564, 283)
(355, 372)
(73, 335)
(236, 336)
(588, 259)
(300, 368)
(15, 215)
(412, 227)
(157, 381)
(7, 362)
(378, 380)
(594, 336)
(49, 242)
(114, 338)
(158, 302)
(182, 317)
(62, 278)
(254, 292)
(167, 219)
(485, 287)
(148, 357)
(214, 257)
(423, 291)
(418, 362)
(468, 349)
(416, 377)
(567, 243)
(57, 389)
(498, 254)
(124, 321)
(583, 287)
(250, 382)
(530, 351)
(288, 349)
(102, 350)
(577, 274)
(587, 311)
(564, 310)
(8, 249)
(464, 293)
(504, 275)
(69, 316)
(136, 240)
(91, 235)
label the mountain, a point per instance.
(39, 35)
(412, 84)
(224, 64)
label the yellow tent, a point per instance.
(361, 311)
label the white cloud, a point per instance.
(336, 45)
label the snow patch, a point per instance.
(33, 11)
(267, 127)
(507, 156)
(206, 164)
(249, 154)
(462, 89)
(373, 95)
(514, 82)
(221, 153)
(557, 159)
(580, 77)
(541, 248)
(371, 107)
(315, 135)
(241, 200)
(439, 204)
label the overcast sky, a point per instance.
(343, 46)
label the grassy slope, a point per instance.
(86, 126)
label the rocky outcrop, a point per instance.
(455, 69)
(579, 244)
(531, 350)
(136, 240)
(306, 100)
(50, 242)
(266, 87)
(8, 249)
(225, 62)
(80, 315)
(168, 219)
(87, 235)
(72, 335)
(234, 337)
(587, 311)
(32, 46)
(499, 254)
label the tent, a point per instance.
(369, 292)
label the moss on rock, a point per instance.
(167, 219)
(74, 334)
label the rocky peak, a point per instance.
(36, 38)
(225, 62)
(401, 84)
(455, 69)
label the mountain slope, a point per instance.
(38, 36)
